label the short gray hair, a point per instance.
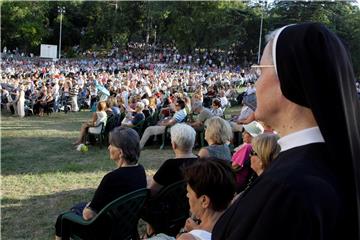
(128, 140)
(183, 136)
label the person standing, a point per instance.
(312, 189)
(21, 102)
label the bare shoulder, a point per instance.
(203, 153)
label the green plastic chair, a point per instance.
(168, 210)
(117, 220)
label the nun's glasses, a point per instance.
(258, 68)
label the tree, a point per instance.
(24, 24)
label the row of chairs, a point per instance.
(166, 212)
(100, 132)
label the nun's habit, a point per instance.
(310, 191)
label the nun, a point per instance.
(306, 92)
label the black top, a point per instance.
(171, 170)
(117, 183)
(311, 76)
(298, 197)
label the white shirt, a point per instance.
(301, 138)
(201, 234)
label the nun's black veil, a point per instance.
(315, 71)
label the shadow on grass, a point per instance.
(50, 154)
(34, 218)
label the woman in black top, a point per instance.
(129, 176)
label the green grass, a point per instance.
(43, 175)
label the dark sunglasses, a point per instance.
(252, 153)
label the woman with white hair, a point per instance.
(171, 171)
(182, 142)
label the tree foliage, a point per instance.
(229, 26)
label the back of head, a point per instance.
(101, 106)
(183, 136)
(181, 103)
(315, 71)
(214, 178)
(128, 140)
(218, 130)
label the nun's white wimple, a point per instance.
(277, 33)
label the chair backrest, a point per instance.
(97, 129)
(139, 126)
(118, 219)
(168, 210)
(112, 122)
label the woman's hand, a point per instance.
(190, 224)
(88, 213)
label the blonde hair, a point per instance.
(266, 147)
(218, 130)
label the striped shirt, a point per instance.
(180, 115)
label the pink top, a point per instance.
(241, 155)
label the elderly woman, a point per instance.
(182, 141)
(264, 150)
(98, 117)
(218, 135)
(129, 176)
(137, 116)
(312, 189)
(211, 188)
(241, 158)
(171, 171)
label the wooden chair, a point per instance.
(168, 210)
(117, 220)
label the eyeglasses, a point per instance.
(258, 68)
(252, 153)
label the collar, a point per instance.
(301, 138)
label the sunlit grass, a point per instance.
(43, 175)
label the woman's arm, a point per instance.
(94, 118)
(154, 187)
(88, 213)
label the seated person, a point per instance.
(240, 159)
(178, 117)
(264, 150)
(236, 122)
(136, 117)
(216, 108)
(218, 135)
(171, 171)
(129, 176)
(211, 187)
(223, 99)
(203, 114)
(98, 117)
(111, 103)
(146, 111)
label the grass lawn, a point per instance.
(43, 175)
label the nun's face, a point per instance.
(268, 94)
